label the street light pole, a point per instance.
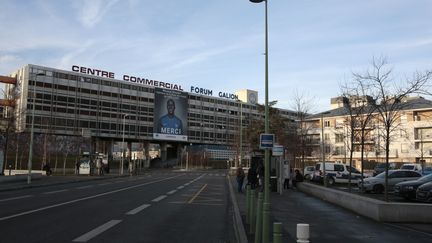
(266, 204)
(30, 157)
(123, 152)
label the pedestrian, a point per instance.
(287, 176)
(260, 172)
(252, 177)
(298, 178)
(99, 166)
(47, 169)
(240, 179)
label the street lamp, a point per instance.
(266, 204)
(30, 157)
(123, 152)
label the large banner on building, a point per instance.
(170, 115)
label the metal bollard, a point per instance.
(247, 204)
(302, 233)
(252, 216)
(258, 228)
(277, 232)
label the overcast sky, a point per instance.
(219, 44)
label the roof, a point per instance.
(411, 103)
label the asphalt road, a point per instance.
(154, 207)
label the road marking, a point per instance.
(84, 198)
(138, 209)
(159, 198)
(196, 195)
(91, 234)
(52, 192)
(171, 192)
(104, 184)
(84, 187)
(180, 187)
(15, 198)
(407, 228)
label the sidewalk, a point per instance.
(279, 213)
(8, 183)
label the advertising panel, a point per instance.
(170, 115)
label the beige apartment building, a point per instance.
(328, 135)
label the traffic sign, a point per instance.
(266, 141)
(277, 150)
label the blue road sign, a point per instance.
(266, 141)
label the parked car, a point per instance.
(336, 173)
(308, 172)
(407, 189)
(376, 184)
(427, 170)
(414, 167)
(379, 168)
(424, 193)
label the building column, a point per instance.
(163, 151)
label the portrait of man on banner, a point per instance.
(170, 123)
(170, 115)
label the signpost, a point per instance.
(266, 141)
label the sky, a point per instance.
(314, 46)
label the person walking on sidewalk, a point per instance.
(240, 179)
(297, 178)
(287, 176)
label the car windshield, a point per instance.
(381, 175)
(426, 178)
(428, 169)
(407, 167)
(380, 166)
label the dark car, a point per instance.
(407, 189)
(424, 193)
(379, 168)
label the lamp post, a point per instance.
(123, 152)
(241, 134)
(30, 157)
(266, 204)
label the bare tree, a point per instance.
(390, 98)
(359, 106)
(8, 120)
(302, 105)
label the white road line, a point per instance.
(138, 209)
(159, 198)
(180, 187)
(84, 187)
(15, 198)
(91, 234)
(171, 192)
(52, 192)
(84, 198)
(104, 184)
(407, 228)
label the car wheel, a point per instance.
(378, 188)
(331, 181)
(308, 177)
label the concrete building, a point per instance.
(92, 104)
(411, 137)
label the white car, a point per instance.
(376, 184)
(414, 167)
(308, 172)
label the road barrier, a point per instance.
(277, 232)
(258, 228)
(302, 233)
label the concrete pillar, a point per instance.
(147, 154)
(163, 151)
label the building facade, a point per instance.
(92, 104)
(328, 135)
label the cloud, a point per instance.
(92, 11)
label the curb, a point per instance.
(59, 183)
(238, 222)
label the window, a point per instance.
(327, 123)
(326, 136)
(339, 138)
(338, 167)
